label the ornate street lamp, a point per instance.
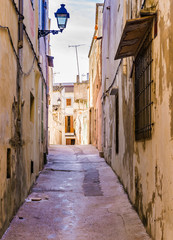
(62, 16)
(59, 101)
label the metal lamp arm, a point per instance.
(43, 33)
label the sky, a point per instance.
(79, 31)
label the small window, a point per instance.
(8, 163)
(31, 107)
(117, 123)
(143, 81)
(68, 102)
(32, 167)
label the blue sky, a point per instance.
(80, 30)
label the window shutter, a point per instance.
(71, 124)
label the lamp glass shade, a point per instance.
(59, 101)
(62, 16)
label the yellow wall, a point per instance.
(144, 167)
(30, 146)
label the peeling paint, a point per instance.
(144, 167)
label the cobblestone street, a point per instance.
(76, 197)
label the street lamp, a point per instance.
(59, 101)
(62, 16)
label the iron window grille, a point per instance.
(143, 82)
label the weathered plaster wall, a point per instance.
(19, 132)
(56, 122)
(7, 112)
(95, 81)
(145, 168)
(81, 112)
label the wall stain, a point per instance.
(166, 60)
(128, 111)
(158, 182)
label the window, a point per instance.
(117, 123)
(70, 141)
(68, 102)
(32, 167)
(69, 124)
(31, 107)
(8, 163)
(143, 103)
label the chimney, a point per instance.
(77, 78)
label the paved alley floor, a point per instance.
(78, 198)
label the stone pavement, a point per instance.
(77, 197)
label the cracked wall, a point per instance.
(20, 138)
(144, 167)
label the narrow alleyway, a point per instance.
(76, 197)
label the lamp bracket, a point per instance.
(43, 33)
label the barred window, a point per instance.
(143, 81)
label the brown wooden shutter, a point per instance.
(68, 102)
(71, 124)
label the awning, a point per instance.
(133, 34)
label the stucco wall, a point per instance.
(81, 112)
(144, 167)
(95, 81)
(20, 133)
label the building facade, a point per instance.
(55, 125)
(23, 78)
(137, 106)
(69, 114)
(95, 82)
(62, 124)
(81, 112)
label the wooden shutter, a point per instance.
(71, 124)
(68, 102)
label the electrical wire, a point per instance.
(30, 42)
(16, 9)
(15, 53)
(35, 55)
(113, 79)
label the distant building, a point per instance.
(55, 124)
(81, 112)
(69, 115)
(68, 136)
(62, 124)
